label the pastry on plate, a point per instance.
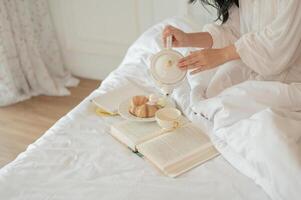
(142, 107)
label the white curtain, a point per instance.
(30, 59)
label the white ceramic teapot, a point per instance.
(164, 69)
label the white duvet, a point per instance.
(257, 129)
(253, 124)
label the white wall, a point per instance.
(95, 34)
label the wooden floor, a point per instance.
(23, 123)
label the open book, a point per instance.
(173, 152)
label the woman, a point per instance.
(256, 40)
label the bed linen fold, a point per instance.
(257, 128)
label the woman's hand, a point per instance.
(180, 38)
(207, 59)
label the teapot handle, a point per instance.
(169, 42)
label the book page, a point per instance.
(133, 133)
(191, 161)
(176, 146)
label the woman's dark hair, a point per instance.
(222, 6)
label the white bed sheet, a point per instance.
(78, 159)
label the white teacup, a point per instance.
(168, 118)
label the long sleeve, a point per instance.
(227, 33)
(272, 49)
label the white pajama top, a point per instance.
(267, 35)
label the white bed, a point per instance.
(78, 159)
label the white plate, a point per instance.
(123, 111)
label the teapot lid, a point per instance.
(164, 67)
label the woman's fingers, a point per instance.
(168, 31)
(205, 59)
(200, 69)
(195, 65)
(187, 58)
(191, 61)
(170, 28)
(176, 33)
(192, 55)
(188, 62)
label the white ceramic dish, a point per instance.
(123, 111)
